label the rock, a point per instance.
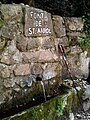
(6, 60)
(17, 57)
(47, 42)
(4, 71)
(22, 69)
(47, 55)
(11, 48)
(84, 61)
(37, 22)
(2, 44)
(63, 41)
(51, 70)
(21, 43)
(30, 56)
(11, 54)
(75, 34)
(75, 50)
(74, 24)
(33, 43)
(59, 27)
(40, 56)
(9, 31)
(1, 91)
(36, 69)
(11, 12)
(71, 116)
(24, 44)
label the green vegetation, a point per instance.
(86, 19)
(84, 43)
(1, 23)
(59, 108)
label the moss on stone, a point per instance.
(57, 108)
(45, 111)
(1, 23)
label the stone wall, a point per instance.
(29, 39)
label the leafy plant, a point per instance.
(84, 43)
(59, 107)
(86, 19)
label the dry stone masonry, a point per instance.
(29, 39)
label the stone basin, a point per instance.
(59, 107)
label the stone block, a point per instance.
(37, 22)
(26, 44)
(51, 70)
(9, 31)
(59, 27)
(6, 60)
(75, 50)
(63, 41)
(47, 42)
(22, 69)
(47, 56)
(5, 71)
(30, 56)
(40, 56)
(75, 34)
(36, 69)
(33, 43)
(11, 12)
(74, 24)
(21, 43)
(11, 54)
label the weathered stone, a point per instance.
(84, 64)
(37, 22)
(11, 54)
(40, 56)
(6, 60)
(33, 43)
(63, 41)
(47, 55)
(22, 69)
(4, 71)
(75, 50)
(74, 24)
(47, 43)
(36, 69)
(1, 91)
(74, 65)
(9, 31)
(21, 43)
(11, 48)
(76, 34)
(11, 12)
(2, 44)
(1, 22)
(40, 42)
(51, 70)
(59, 27)
(30, 56)
(12, 59)
(17, 57)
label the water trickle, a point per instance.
(44, 92)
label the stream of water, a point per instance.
(44, 92)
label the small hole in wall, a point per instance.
(38, 78)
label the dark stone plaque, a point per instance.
(37, 22)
